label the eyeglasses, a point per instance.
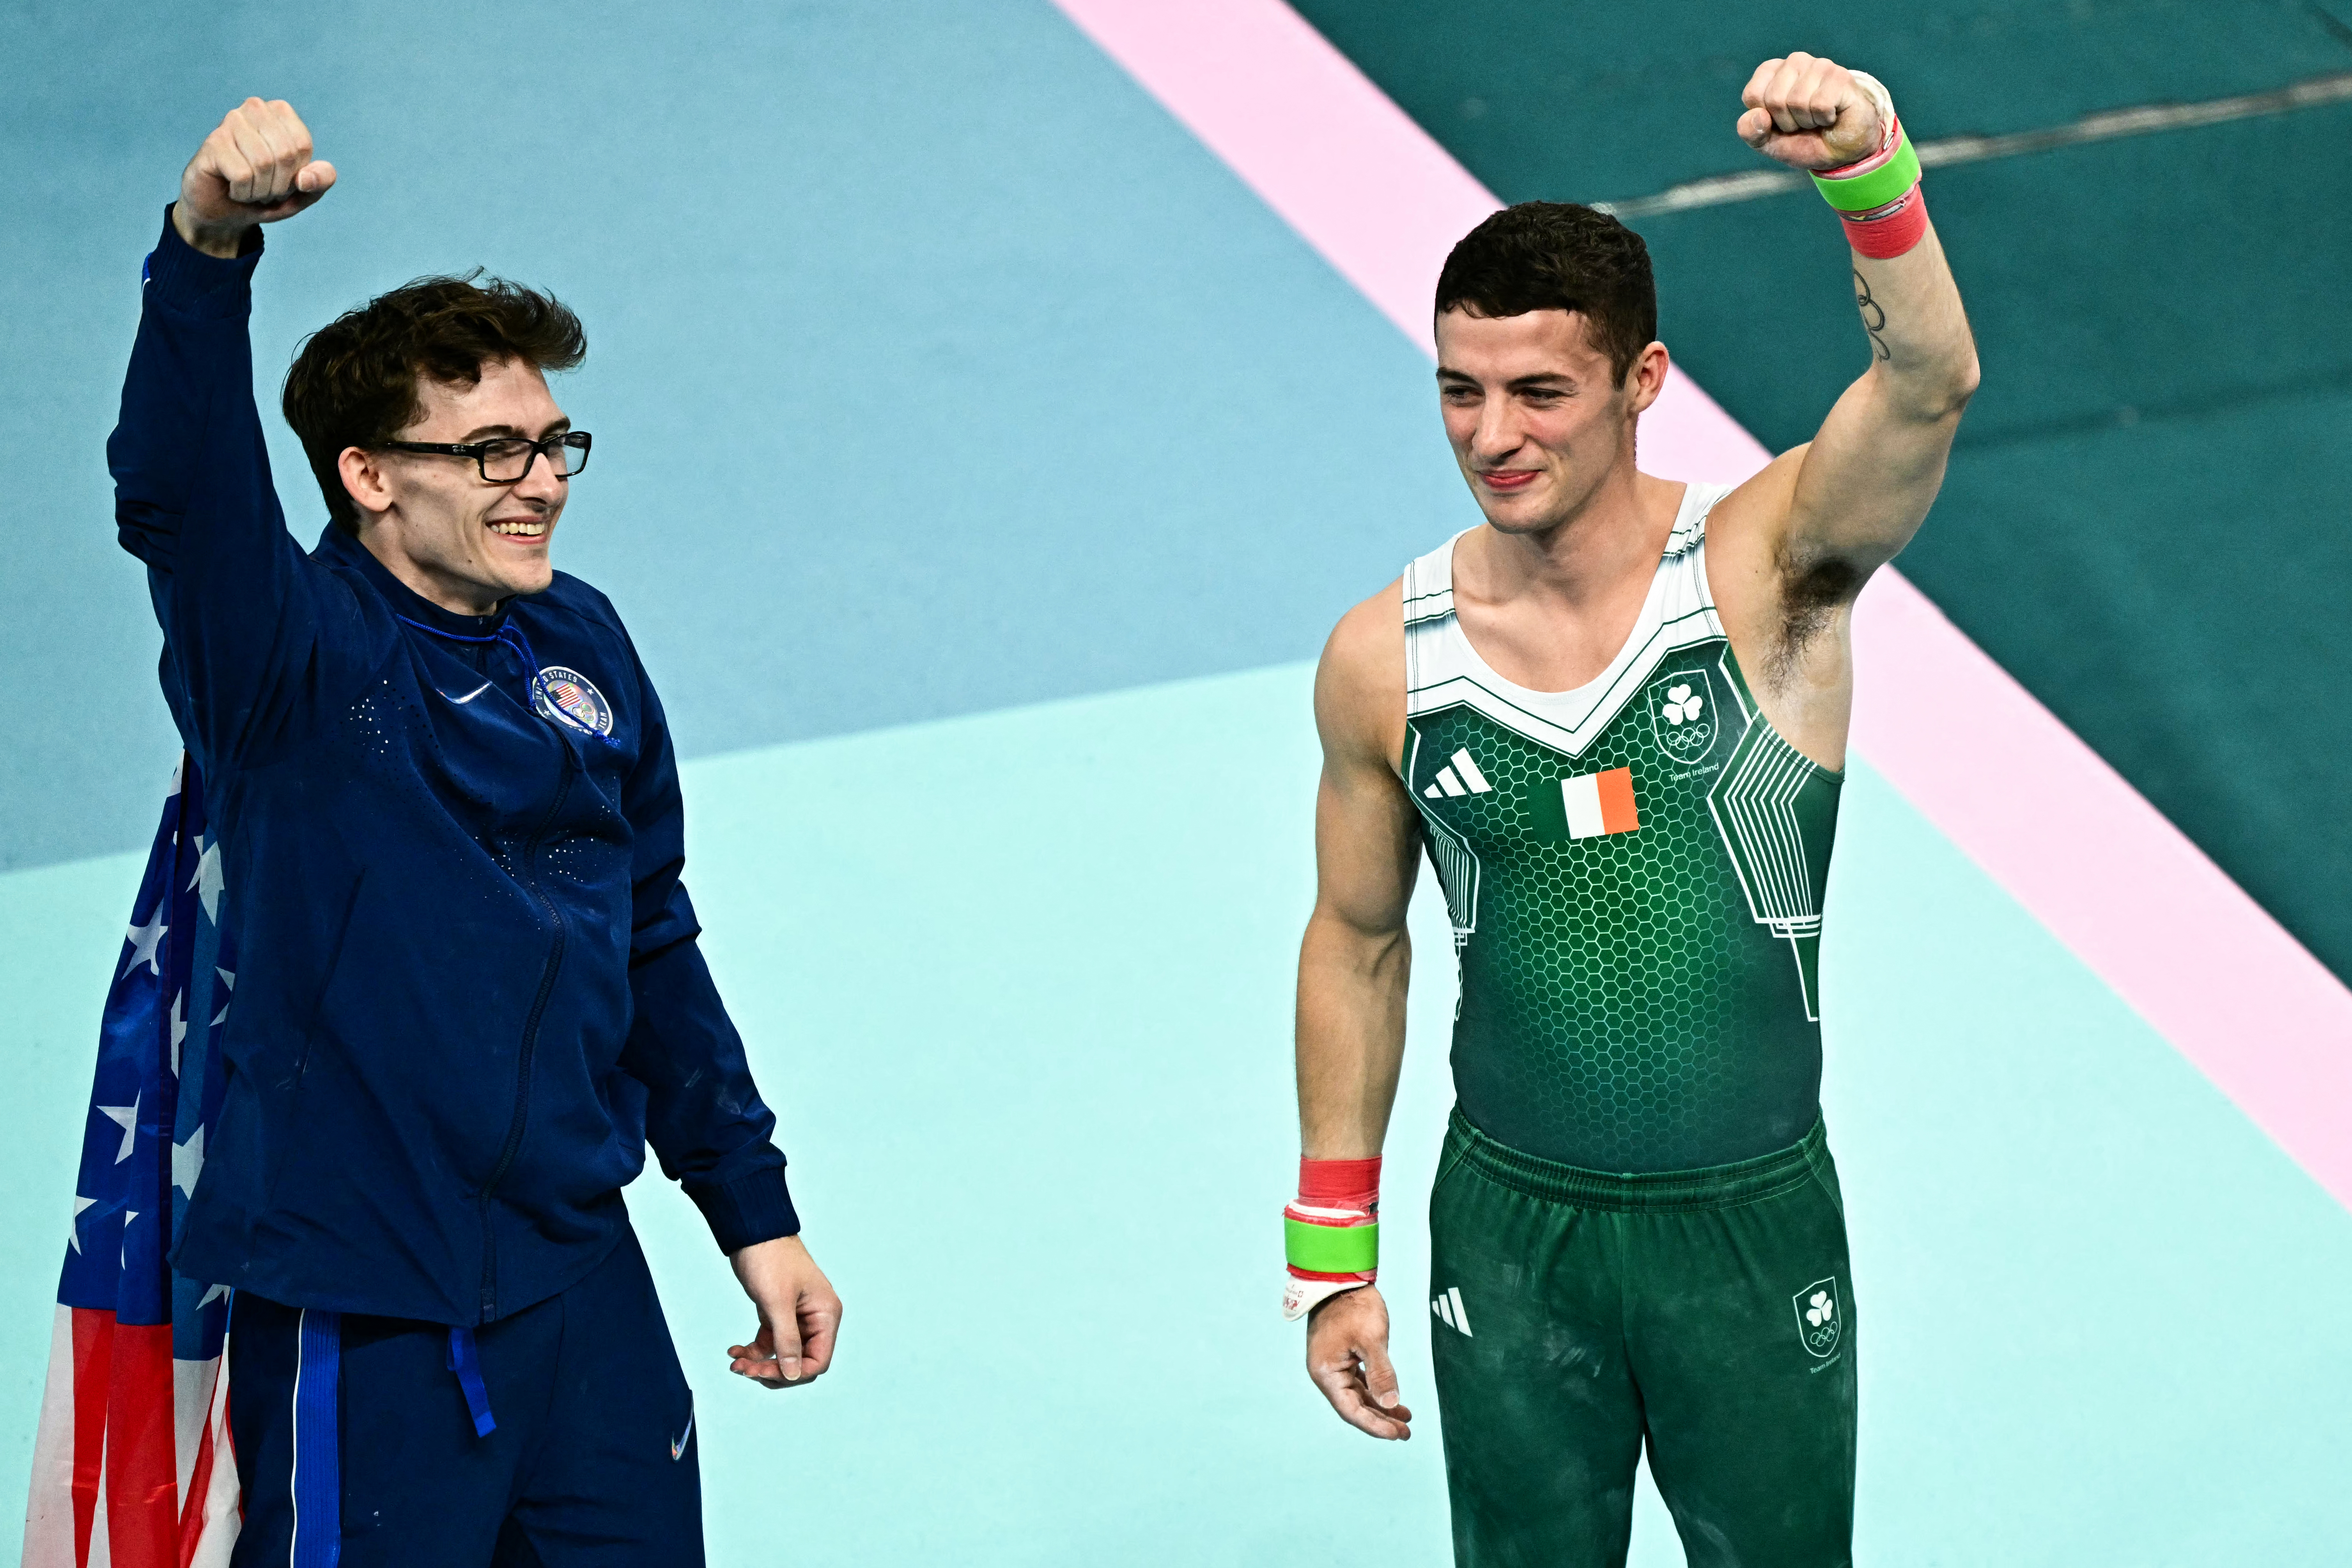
(508, 459)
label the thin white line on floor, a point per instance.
(1718, 190)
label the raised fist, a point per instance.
(255, 168)
(1813, 113)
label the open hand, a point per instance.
(1811, 114)
(799, 1315)
(255, 168)
(1347, 1357)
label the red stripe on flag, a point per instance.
(142, 1480)
(93, 1361)
(200, 1483)
(1616, 790)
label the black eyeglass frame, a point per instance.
(578, 441)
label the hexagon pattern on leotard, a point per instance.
(1621, 1009)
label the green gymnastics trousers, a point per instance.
(1576, 1314)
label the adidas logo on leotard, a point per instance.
(1462, 778)
(1448, 1310)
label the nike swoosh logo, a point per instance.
(678, 1449)
(461, 701)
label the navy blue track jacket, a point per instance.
(469, 985)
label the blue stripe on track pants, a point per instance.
(592, 1461)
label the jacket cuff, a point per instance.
(748, 1210)
(190, 283)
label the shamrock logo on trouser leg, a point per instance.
(1819, 1324)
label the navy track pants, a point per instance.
(357, 1439)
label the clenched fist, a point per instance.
(1813, 113)
(255, 168)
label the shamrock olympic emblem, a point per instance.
(1682, 714)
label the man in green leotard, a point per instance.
(1614, 717)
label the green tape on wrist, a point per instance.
(1883, 184)
(1331, 1248)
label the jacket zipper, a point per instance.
(529, 1039)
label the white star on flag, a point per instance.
(144, 939)
(128, 1215)
(188, 1162)
(179, 1029)
(228, 982)
(214, 1294)
(73, 1227)
(207, 878)
(125, 1117)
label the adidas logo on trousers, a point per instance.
(1448, 1308)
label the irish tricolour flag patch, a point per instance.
(1586, 806)
(1600, 803)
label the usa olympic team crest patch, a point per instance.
(570, 698)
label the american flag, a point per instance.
(133, 1467)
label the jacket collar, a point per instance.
(343, 549)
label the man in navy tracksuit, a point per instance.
(470, 987)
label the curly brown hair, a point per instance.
(1558, 256)
(355, 382)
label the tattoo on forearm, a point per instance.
(1873, 317)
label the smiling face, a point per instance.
(1537, 420)
(433, 520)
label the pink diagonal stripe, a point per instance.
(2123, 887)
(1352, 173)
(2063, 832)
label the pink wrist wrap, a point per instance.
(1891, 230)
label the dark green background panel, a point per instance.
(2146, 516)
(1591, 101)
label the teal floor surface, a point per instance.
(1020, 985)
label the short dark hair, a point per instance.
(1558, 256)
(354, 383)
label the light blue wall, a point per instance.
(933, 367)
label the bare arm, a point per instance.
(1356, 958)
(1848, 502)
(1352, 970)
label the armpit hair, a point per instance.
(1813, 588)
